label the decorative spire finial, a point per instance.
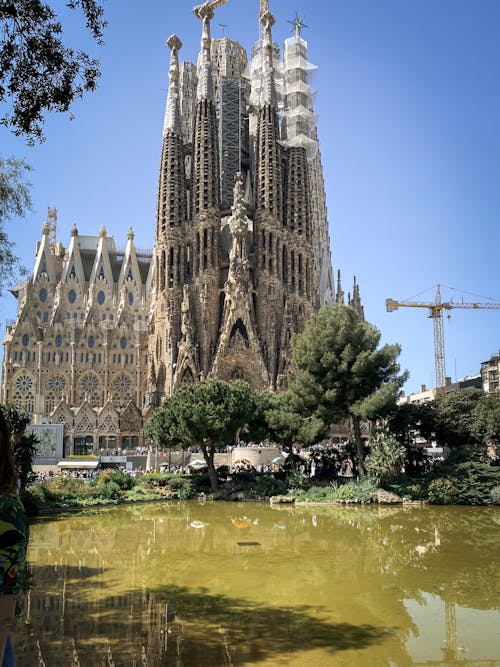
(268, 92)
(130, 234)
(172, 114)
(205, 84)
(297, 24)
(45, 229)
(102, 232)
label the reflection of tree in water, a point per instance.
(415, 542)
(166, 626)
(251, 632)
(326, 579)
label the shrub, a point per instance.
(386, 457)
(465, 484)
(69, 488)
(268, 486)
(200, 482)
(109, 490)
(182, 487)
(298, 482)
(361, 492)
(316, 494)
(30, 502)
(405, 487)
(139, 493)
(443, 491)
(495, 495)
(122, 479)
(155, 479)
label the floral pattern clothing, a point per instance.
(14, 530)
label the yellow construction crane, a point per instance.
(436, 314)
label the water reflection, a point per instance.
(223, 584)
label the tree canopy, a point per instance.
(38, 71)
(206, 415)
(25, 444)
(464, 420)
(284, 426)
(14, 201)
(339, 371)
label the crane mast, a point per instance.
(436, 314)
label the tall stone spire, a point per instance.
(171, 257)
(171, 209)
(340, 294)
(269, 187)
(268, 87)
(205, 173)
(355, 301)
(205, 88)
(172, 114)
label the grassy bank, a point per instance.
(465, 484)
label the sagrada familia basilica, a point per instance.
(241, 255)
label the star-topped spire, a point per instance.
(172, 114)
(297, 24)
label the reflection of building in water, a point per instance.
(222, 579)
(450, 634)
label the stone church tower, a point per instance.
(241, 256)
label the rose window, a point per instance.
(57, 383)
(90, 384)
(122, 384)
(24, 383)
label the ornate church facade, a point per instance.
(241, 256)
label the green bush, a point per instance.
(123, 479)
(182, 487)
(361, 492)
(137, 493)
(69, 488)
(155, 479)
(405, 487)
(464, 484)
(495, 495)
(30, 502)
(109, 490)
(386, 457)
(268, 486)
(316, 494)
(298, 482)
(443, 491)
(200, 482)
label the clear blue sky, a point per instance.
(409, 125)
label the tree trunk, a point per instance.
(209, 455)
(360, 448)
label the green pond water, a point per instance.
(188, 584)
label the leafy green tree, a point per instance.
(339, 371)
(38, 72)
(207, 415)
(486, 419)
(451, 420)
(286, 427)
(25, 444)
(15, 200)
